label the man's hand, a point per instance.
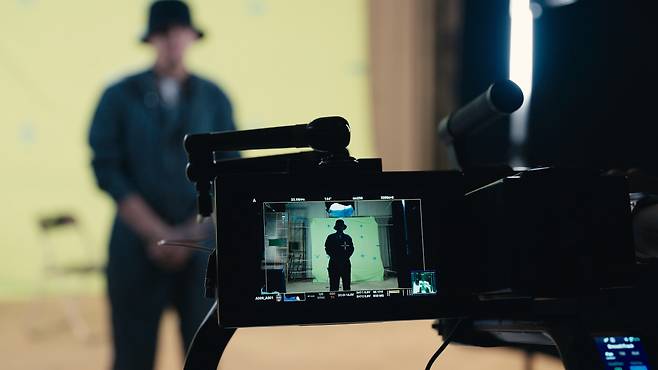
(194, 231)
(174, 258)
(136, 212)
(168, 257)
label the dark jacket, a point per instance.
(340, 248)
(137, 145)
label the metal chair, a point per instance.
(76, 261)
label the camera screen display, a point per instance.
(344, 249)
(336, 247)
(622, 353)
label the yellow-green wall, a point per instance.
(281, 61)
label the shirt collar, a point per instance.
(147, 83)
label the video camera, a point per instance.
(540, 258)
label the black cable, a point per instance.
(447, 339)
(528, 360)
(190, 244)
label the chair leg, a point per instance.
(75, 320)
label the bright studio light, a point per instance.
(520, 68)
(520, 61)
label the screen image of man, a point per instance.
(138, 158)
(423, 282)
(339, 248)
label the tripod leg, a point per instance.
(208, 344)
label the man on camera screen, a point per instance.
(339, 247)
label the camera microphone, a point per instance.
(323, 134)
(500, 99)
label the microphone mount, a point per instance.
(328, 136)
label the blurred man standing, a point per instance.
(138, 158)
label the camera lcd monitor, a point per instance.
(338, 247)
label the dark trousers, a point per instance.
(139, 292)
(336, 273)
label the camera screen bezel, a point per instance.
(238, 208)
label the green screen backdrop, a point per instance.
(366, 260)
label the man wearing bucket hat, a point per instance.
(339, 248)
(138, 158)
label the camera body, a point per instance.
(552, 233)
(538, 234)
(275, 258)
(540, 257)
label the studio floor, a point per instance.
(35, 335)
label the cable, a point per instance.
(446, 341)
(528, 360)
(190, 244)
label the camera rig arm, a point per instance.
(209, 343)
(329, 135)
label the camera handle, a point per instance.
(569, 338)
(327, 136)
(573, 342)
(575, 347)
(208, 344)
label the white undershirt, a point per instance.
(169, 91)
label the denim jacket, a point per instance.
(137, 146)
